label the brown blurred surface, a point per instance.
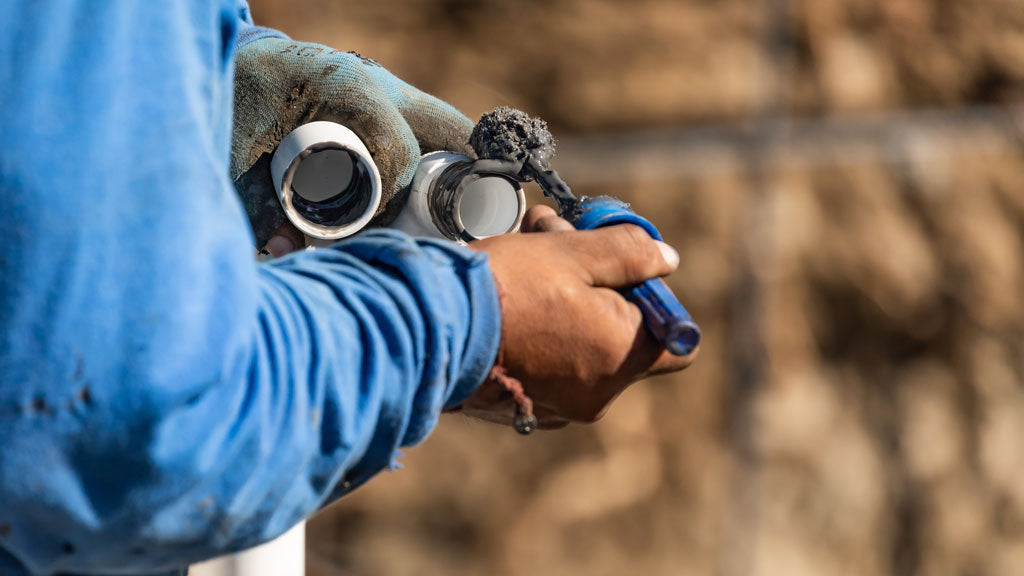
(845, 182)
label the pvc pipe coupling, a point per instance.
(326, 180)
(449, 200)
(329, 188)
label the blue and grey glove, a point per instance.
(281, 84)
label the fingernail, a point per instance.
(669, 254)
(279, 246)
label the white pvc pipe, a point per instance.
(483, 205)
(319, 161)
(415, 218)
(330, 188)
(490, 206)
(285, 556)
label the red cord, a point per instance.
(525, 421)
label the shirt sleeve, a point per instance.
(164, 398)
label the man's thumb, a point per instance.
(624, 255)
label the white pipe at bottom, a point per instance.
(285, 556)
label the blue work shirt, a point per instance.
(163, 397)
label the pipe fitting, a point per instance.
(326, 180)
(450, 200)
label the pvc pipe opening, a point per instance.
(490, 206)
(326, 180)
(323, 174)
(448, 199)
(331, 188)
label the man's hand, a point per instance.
(572, 339)
(281, 84)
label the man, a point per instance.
(163, 397)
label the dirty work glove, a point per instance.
(281, 84)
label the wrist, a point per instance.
(501, 392)
(484, 336)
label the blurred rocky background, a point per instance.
(845, 182)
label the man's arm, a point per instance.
(163, 398)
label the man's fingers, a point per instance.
(647, 357)
(623, 255)
(668, 362)
(541, 218)
(286, 239)
(534, 214)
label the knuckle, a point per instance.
(639, 250)
(568, 291)
(609, 360)
(627, 314)
(635, 237)
(539, 211)
(632, 267)
(553, 223)
(533, 217)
